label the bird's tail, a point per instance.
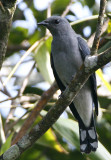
(88, 138)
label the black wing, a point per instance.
(84, 49)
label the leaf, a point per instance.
(68, 129)
(109, 26)
(42, 57)
(49, 140)
(101, 76)
(59, 6)
(105, 47)
(2, 134)
(17, 35)
(90, 3)
(7, 144)
(100, 154)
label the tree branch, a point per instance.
(104, 28)
(35, 112)
(99, 27)
(16, 48)
(7, 9)
(67, 9)
(19, 94)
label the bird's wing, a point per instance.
(85, 51)
(62, 88)
(59, 82)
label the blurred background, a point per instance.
(26, 73)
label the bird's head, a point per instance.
(56, 25)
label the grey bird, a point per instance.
(68, 52)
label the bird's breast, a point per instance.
(67, 59)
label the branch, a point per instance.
(99, 27)
(35, 112)
(25, 82)
(7, 9)
(16, 48)
(67, 9)
(91, 64)
(104, 28)
(37, 43)
(12, 110)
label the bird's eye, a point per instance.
(57, 21)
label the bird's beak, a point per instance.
(44, 23)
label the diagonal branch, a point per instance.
(67, 9)
(35, 112)
(104, 28)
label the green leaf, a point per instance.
(42, 57)
(49, 140)
(7, 144)
(109, 26)
(101, 76)
(59, 6)
(2, 134)
(69, 130)
(90, 3)
(105, 47)
(17, 35)
(100, 154)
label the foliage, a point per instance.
(61, 141)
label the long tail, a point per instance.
(88, 138)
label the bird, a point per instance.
(68, 53)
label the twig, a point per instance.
(10, 98)
(39, 106)
(67, 9)
(99, 27)
(24, 56)
(2, 7)
(26, 81)
(5, 91)
(48, 15)
(11, 125)
(27, 98)
(12, 110)
(49, 10)
(15, 48)
(90, 40)
(85, 19)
